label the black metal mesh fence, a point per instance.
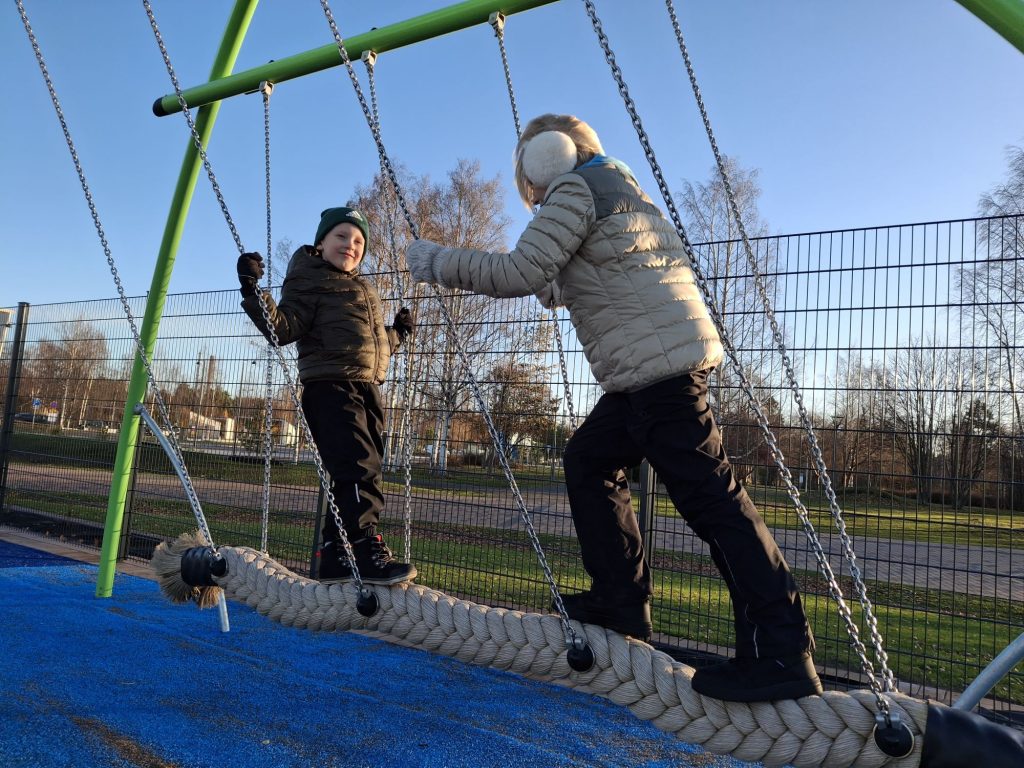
(904, 342)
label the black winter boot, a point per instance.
(334, 567)
(625, 616)
(377, 565)
(766, 679)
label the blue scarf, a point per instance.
(606, 160)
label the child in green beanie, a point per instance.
(334, 315)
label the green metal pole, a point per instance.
(1004, 16)
(414, 30)
(231, 43)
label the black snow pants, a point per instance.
(671, 425)
(347, 422)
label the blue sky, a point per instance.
(856, 114)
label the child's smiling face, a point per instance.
(343, 246)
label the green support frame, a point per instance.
(207, 98)
(1004, 16)
(231, 44)
(417, 29)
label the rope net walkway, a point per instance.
(834, 729)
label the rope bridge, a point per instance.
(835, 729)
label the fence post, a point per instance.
(124, 543)
(645, 515)
(322, 510)
(11, 396)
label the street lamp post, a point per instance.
(197, 406)
(838, 472)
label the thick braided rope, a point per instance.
(830, 730)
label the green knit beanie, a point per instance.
(332, 217)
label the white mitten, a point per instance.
(419, 257)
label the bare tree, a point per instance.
(913, 414)
(993, 284)
(713, 230)
(64, 370)
(521, 402)
(856, 425)
(972, 435)
(465, 210)
(1007, 199)
(389, 230)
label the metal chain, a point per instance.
(370, 121)
(524, 513)
(780, 343)
(370, 60)
(266, 89)
(165, 418)
(264, 310)
(406, 430)
(727, 344)
(497, 20)
(566, 384)
(192, 126)
(404, 381)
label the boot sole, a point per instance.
(380, 582)
(641, 632)
(796, 689)
(376, 582)
(370, 580)
(336, 580)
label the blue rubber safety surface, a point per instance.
(14, 556)
(133, 681)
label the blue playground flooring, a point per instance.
(136, 682)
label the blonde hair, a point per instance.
(582, 135)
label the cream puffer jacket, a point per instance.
(618, 266)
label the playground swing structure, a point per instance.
(203, 560)
(592, 659)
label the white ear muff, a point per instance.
(547, 156)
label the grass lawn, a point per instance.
(895, 518)
(865, 515)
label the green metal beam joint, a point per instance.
(231, 43)
(1004, 16)
(417, 29)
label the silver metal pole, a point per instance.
(997, 669)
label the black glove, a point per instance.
(250, 270)
(403, 324)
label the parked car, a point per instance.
(37, 418)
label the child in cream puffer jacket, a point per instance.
(601, 248)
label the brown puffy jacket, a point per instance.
(335, 317)
(620, 269)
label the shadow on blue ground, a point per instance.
(133, 681)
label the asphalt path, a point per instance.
(961, 568)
